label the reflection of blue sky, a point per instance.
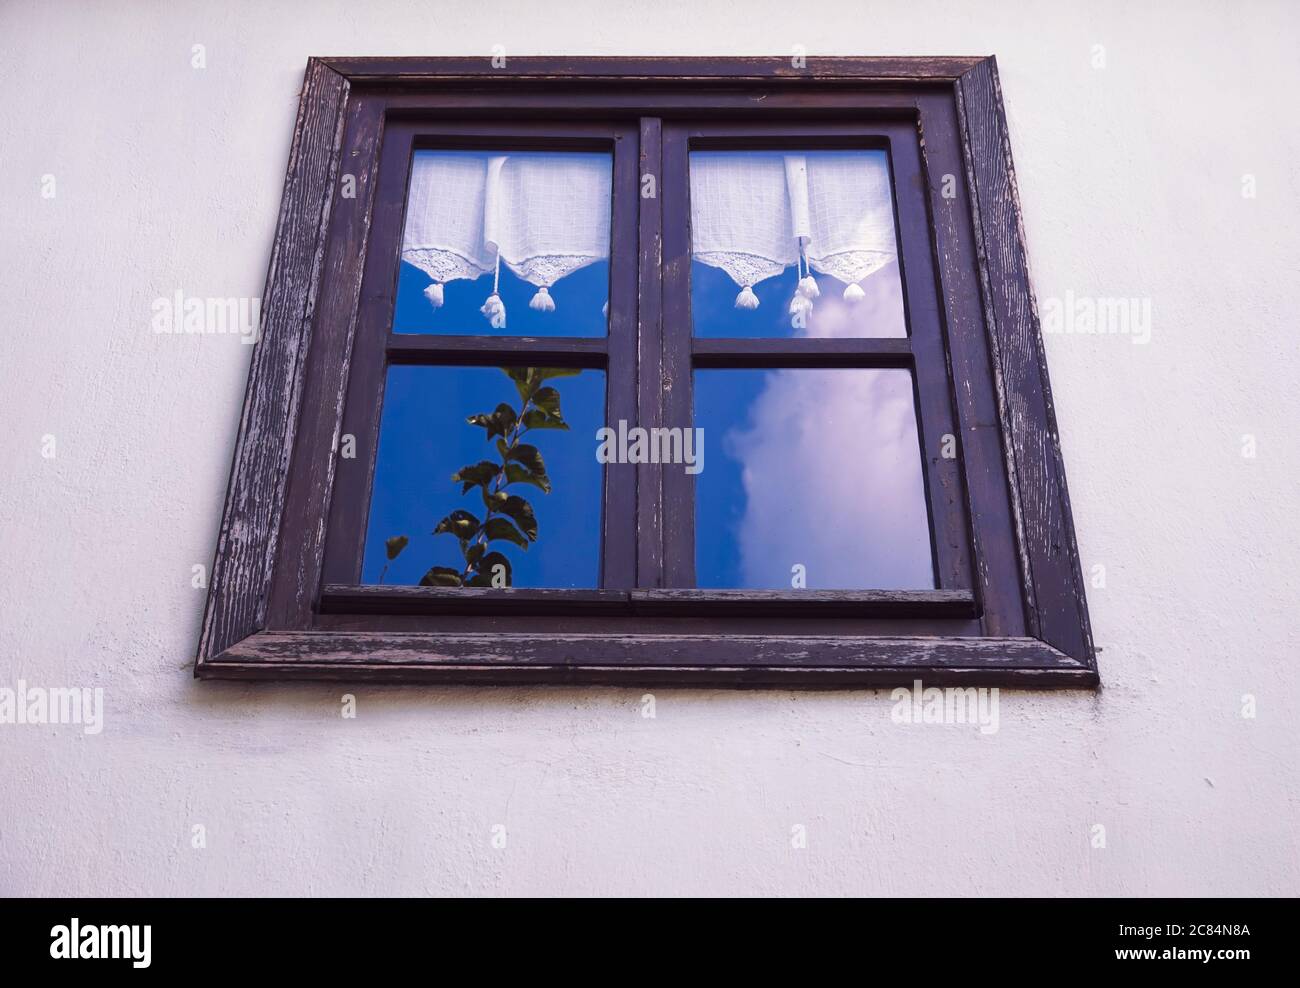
(814, 467)
(878, 315)
(579, 298)
(424, 440)
(818, 467)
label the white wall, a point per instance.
(169, 177)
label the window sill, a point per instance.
(370, 599)
(638, 660)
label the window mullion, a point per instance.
(649, 349)
(619, 535)
(678, 487)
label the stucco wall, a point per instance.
(1131, 178)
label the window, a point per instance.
(650, 372)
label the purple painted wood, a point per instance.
(649, 356)
(1054, 591)
(736, 660)
(242, 568)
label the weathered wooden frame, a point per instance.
(272, 614)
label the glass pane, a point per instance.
(812, 476)
(529, 537)
(794, 244)
(506, 243)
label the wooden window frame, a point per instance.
(285, 600)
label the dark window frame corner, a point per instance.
(1009, 608)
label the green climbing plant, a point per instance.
(508, 517)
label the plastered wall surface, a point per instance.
(1131, 173)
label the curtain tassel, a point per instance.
(434, 294)
(805, 291)
(854, 293)
(747, 299)
(800, 307)
(494, 308)
(542, 301)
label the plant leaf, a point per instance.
(529, 379)
(481, 418)
(535, 418)
(477, 474)
(460, 523)
(487, 570)
(499, 528)
(441, 576)
(548, 400)
(501, 421)
(529, 456)
(519, 474)
(522, 376)
(546, 373)
(504, 417)
(395, 545)
(474, 553)
(521, 512)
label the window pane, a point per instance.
(812, 473)
(794, 244)
(501, 243)
(425, 439)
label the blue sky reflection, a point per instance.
(819, 468)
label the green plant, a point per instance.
(508, 516)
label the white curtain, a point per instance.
(542, 215)
(755, 214)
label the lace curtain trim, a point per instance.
(755, 214)
(543, 216)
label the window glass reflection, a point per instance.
(812, 477)
(794, 244)
(506, 242)
(512, 494)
